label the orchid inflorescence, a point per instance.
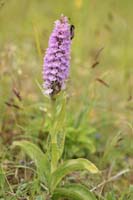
(57, 57)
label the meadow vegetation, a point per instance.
(99, 122)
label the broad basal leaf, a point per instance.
(73, 192)
(69, 166)
(40, 159)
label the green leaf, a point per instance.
(69, 166)
(73, 192)
(40, 197)
(40, 159)
(57, 129)
(110, 148)
(81, 116)
(110, 196)
(2, 180)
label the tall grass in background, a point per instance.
(102, 128)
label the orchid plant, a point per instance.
(50, 168)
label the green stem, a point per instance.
(57, 132)
(53, 145)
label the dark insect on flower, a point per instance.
(72, 28)
(56, 87)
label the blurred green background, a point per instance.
(25, 27)
(100, 108)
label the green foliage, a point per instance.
(70, 166)
(80, 134)
(50, 172)
(126, 194)
(110, 196)
(74, 192)
(110, 150)
(98, 123)
(53, 179)
(40, 159)
(2, 181)
(57, 130)
(77, 138)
